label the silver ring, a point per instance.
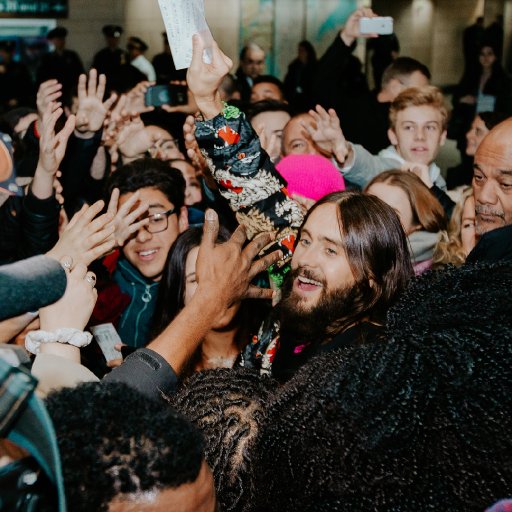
(90, 278)
(67, 262)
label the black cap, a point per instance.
(57, 33)
(138, 43)
(112, 30)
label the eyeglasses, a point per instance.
(159, 222)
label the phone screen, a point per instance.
(159, 95)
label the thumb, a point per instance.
(197, 52)
(210, 229)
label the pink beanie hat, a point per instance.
(311, 176)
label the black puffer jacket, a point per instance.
(28, 227)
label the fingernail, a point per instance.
(209, 215)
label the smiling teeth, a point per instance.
(147, 253)
(309, 281)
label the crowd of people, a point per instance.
(267, 298)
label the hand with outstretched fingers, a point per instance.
(92, 110)
(52, 146)
(48, 92)
(327, 133)
(126, 218)
(226, 270)
(86, 237)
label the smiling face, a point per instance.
(320, 258)
(418, 134)
(147, 252)
(475, 135)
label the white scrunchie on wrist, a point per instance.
(74, 337)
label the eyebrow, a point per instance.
(503, 172)
(324, 238)
(190, 274)
(416, 122)
(156, 205)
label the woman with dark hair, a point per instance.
(222, 345)
(421, 214)
(482, 124)
(487, 90)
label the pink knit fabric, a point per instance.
(311, 176)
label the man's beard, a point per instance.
(318, 323)
(484, 227)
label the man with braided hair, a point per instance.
(417, 422)
(229, 407)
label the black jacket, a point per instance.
(28, 226)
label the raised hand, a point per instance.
(204, 79)
(75, 307)
(132, 139)
(52, 146)
(194, 153)
(135, 103)
(125, 218)
(327, 134)
(272, 144)
(189, 108)
(226, 270)
(351, 30)
(48, 92)
(86, 238)
(92, 110)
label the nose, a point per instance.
(143, 235)
(486, 194)
(419, 134)
(305, 256)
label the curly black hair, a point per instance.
(114, 441)
(228, 406)
(418, 422)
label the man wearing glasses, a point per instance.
(128, 295)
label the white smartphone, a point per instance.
(378, 25)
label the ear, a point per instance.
(392, 137)
(183, 219)
(442, 140)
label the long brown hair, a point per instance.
(376, 248)
(426, 209)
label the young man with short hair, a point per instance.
(418, 120)
(127, 296)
